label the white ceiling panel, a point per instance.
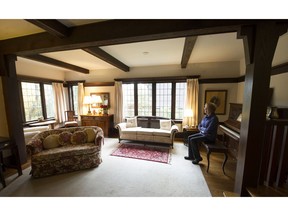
(80, 58)
(150, 53)
(217, 47)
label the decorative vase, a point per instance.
(105, 111)
(274, 113)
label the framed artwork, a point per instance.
(105, 99)
(219, 97)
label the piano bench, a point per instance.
(216, 147)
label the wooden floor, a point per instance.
(216, 180)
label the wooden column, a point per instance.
(260, 42)
(12, 104)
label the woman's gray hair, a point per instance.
(211, 107)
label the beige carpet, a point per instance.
(117, 177)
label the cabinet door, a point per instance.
(88, 123)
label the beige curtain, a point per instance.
(191, 103)
(60, 105)
(118, 115)
(80, 100)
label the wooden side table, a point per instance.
(103, 121)
(5, 143)
(187, 131)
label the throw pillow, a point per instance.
(51, 141)
(65, 138)
(165, 124)
(78, 137)
(90, 133)
(131, 122)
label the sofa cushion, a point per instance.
(131, 122)
(65, 138)
(90, 133)
(145, 131)
(78, 137)
(51, 141)
(165, 124)
(160, 132)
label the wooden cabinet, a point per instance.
(103, 121)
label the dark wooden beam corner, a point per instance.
(188, 48)
(53, 27)
(57, 63)
(101, 54)
(278, 69)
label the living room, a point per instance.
(224, 75)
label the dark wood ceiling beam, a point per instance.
(101, 54)
(57, 63)
(188, 48)
(278, 69)
(53, 27)
(118, 32)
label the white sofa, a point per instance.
(150, 129)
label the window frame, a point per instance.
(42, 94)
(154, 82)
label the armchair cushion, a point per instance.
(78, 137)
(65, 138)
(51, 141)
(165, 124)
(90, 134)
(131, 122)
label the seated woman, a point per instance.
(208, 133)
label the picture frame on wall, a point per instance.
(218, 97)
(105, 98)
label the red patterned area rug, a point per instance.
(156, 154)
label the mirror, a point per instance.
(105, 97)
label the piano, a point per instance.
(231, 129)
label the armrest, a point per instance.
(173, 130)
(121, 126)
(34, 146)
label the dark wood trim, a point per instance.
(158, 79)
(258, 71)
(13, 107)
(37, 79)
(101, 54)
(42, 93)
(54, 62)
(113, 32)
(173, 100)
(98, 84)
(135, 99)
(188, 48)
(219, 80)
(53, 27)
(279, 69)
(153, 99)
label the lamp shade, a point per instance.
(188, 113)
(96, 99)
(87, 100)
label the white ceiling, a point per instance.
(208, 48)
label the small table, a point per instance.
(187, 131)
(5, 143)
(44, 123)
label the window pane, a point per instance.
(32, 100)
(145, 99)
(75, 99)
(163, 99)
(49, 100)
(128, 100)
(180, 100)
